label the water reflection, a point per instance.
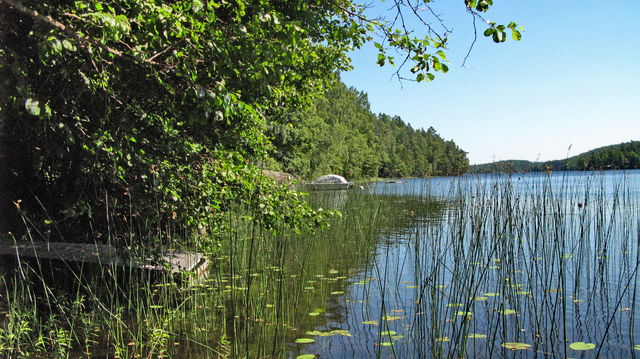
(506, 263)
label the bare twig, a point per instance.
(475, 38)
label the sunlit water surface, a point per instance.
(535, 260)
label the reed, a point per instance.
(460, 267)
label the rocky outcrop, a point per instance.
(279, 177)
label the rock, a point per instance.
(331, 179)
(279, 177)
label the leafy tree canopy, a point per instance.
(146, 115)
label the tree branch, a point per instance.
(84, 41)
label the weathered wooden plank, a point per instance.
(175, 262)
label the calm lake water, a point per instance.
(478, 266)
(488, 266)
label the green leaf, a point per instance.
(491, 294)
(32, 106)
(582, 346)
(305, 340)
(489, 31)
(516, 346)
(498, 36)
(68, 45)
(516, 35)
(196, 6)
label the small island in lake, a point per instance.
(621, 156)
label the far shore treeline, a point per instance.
(621, 156)
(340, 134)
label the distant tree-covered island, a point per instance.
(621, 156)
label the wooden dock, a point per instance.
(175, 262)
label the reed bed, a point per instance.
(488, 266)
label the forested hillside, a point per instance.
(620, 156)
(341, 135)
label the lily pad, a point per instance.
(329, 333)
(636, 347)
(491, 294)
(390, 318)
(441, 339)
(466, 314)
(370, 322)
(388, 332)
(476, 336)
(305, 340)
(386, 344)
(337, 292)
(582, 346)
(516, 346)
(306, 356)
(507, 311)
(453, 305)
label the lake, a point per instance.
(479, 266)
(532, 265)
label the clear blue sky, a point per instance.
(573, 79)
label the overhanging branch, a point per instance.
(85, 42)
